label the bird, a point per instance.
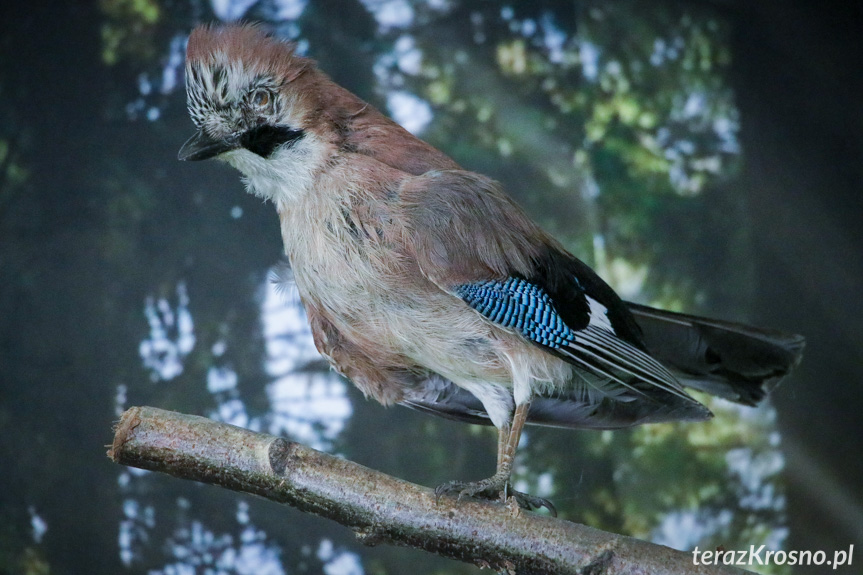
(426, 285)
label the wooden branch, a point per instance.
(380, 508)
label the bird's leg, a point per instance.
(498, 484)
(507, 443)
(502, 435)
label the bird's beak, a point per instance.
(202, 147)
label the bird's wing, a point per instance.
(475, 243)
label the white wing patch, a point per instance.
(598, 315)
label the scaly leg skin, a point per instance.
(498, 484)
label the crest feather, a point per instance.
(249, 44)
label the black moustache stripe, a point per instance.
(264, 139)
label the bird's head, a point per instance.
(257, 105)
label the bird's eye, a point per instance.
(261, 99)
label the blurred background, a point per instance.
(702, 156)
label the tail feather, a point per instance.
(730, 360)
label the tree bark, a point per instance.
(380, 508)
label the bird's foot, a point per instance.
(491, 489)
(484, 489)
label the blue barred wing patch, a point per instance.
(521, 305)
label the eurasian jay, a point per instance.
(427, 286)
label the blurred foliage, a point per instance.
(611, 122)
(12, 173)
(13, 139)
(128, 29)
(18, 553)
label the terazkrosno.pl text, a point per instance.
(763, 556)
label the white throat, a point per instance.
(286, 176)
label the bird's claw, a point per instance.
(531, 502)
(490, 490)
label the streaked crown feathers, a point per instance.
(226, 65)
